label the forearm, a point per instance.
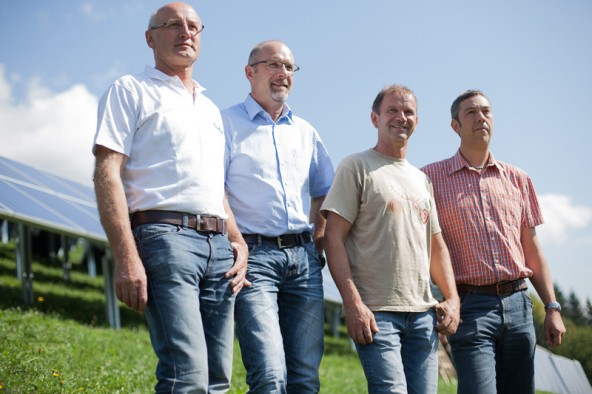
(537, 263)
(441, 269)
(319, 222)
(234, 234)
(113, 212)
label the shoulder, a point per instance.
(514, 174)
(237, 111)
(511, 169)
(437, 170)
(437, 167)
(301, 122)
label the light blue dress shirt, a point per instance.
(273, 169)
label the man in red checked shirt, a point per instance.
(488, 212)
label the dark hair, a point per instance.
(395, 88)
(455, 108)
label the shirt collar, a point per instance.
(254, 109)
(458, 162)
(159, 75)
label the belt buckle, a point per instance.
(504, 288)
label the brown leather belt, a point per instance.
(197, 222)
(498, 289)
(282, 241)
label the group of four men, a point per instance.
(187, 194)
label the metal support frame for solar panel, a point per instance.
(15, 177)
(33, 198)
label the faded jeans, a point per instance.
(190, 307)
(403, 356)
(280, 319)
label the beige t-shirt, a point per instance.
(390, 204)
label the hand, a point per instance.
(131, 285)
(360, 323)
(554, 328)
(238, 272)
(447, 317)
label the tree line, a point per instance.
(577, 316)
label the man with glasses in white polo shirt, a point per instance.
(159, 181)
(277, 172)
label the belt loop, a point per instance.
(198, 222)
(185, 220)
(259, 240)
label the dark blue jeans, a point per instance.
(493, 349)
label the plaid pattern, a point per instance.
(482, 216)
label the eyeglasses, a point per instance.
(178, 26)
(276, 65)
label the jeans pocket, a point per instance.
(148, 232)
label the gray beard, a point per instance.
(279, 97)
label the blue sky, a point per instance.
(532, 58)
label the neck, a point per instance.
(272, 107)
(399, 152)
(185, 74)
(476, 158)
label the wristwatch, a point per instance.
(553, 305)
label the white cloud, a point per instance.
(561, 217)
(47, 130)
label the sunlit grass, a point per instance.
(63, 343)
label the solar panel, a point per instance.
(48, 201)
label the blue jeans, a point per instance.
(190, 307)
(493, 348)
(280, 320)
(403, 357)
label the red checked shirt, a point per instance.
(482, 216)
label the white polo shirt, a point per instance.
(174, 143)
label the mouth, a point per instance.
(185, 45)
(279, 85)
(483, 127)
(400, 128)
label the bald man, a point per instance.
(277, 172)
(159, 181)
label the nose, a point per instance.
(400, 115)
(184, 29)
(481, 116)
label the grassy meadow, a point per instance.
(62, 344)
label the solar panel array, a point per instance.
(48, 201)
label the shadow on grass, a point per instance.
(85, 311)
(82, 299)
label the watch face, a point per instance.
(553, 305)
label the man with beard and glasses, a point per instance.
(488, 212)
(383, 245)
(159, 182)
(277, 175)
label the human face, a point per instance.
(396, 121)
(475, 122)
(175, 49)
(271, 85)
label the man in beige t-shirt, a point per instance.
(383, 244)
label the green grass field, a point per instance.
(62, 344)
